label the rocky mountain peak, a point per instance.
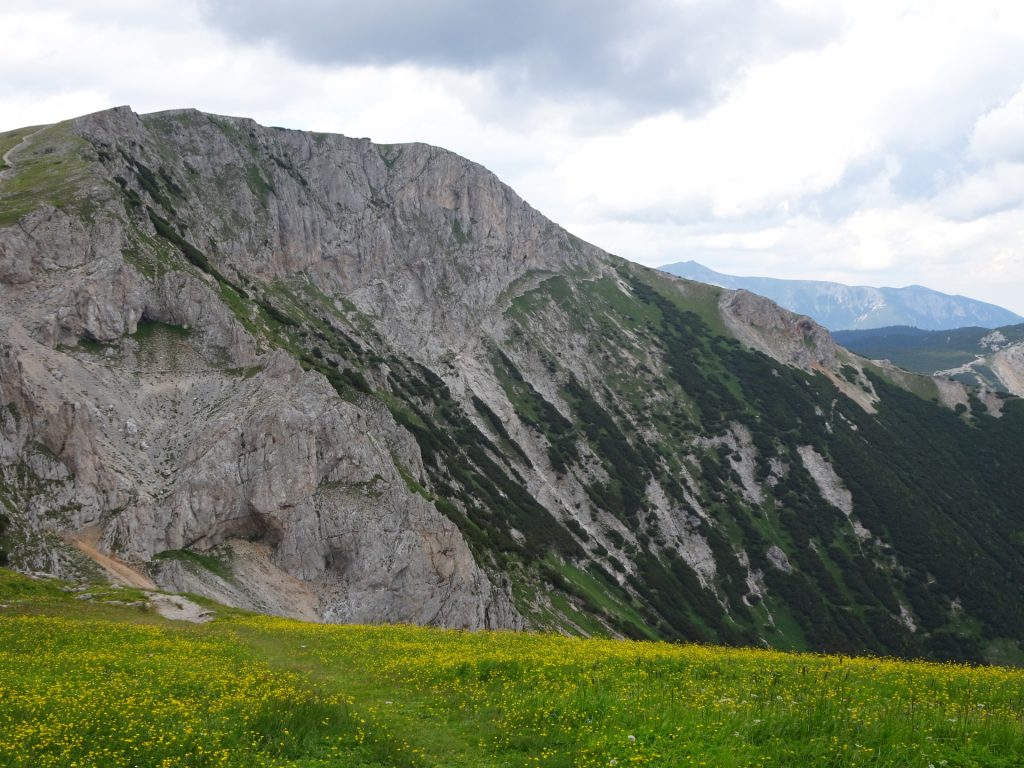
(313, 375)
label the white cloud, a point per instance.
(792, 128)
(888, 150)
(999, 133)
(992, 189)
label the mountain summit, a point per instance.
(315, 376)
(844, 307)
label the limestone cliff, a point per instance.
(195, 432)
(311, 375)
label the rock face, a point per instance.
(355, 217)
(795, 340)
(317, 377)
(1008, 364)
(764, 325)
(167, 452)
(161, 442)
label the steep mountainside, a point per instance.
(320, 377)
(977, 356)
(838, 306)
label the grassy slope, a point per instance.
(93, 683)
(52, 169)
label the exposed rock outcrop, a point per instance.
(1008, 364)
(787, 337)
(313, 376)
(165, 449)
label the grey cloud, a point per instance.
(648, 54)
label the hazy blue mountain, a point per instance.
(842, 307)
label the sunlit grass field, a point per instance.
(91, 683)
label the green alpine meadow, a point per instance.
(99, 682)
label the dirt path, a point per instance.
(5, 159)
(117, 571)
(173, 607)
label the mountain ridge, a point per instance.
(844, 307)
(307, 374)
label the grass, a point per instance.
(918, 384)
(151, 256)
(686, 294)
(411, 483)
(258, 185)
(587, 586)
(148, 329)
(52, 170)
(83, 683)
(10, 139)
(217, 564)
(461, 237)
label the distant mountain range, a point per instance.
(846, 307)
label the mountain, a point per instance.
(845, 307)
(979, 357)
(319, 377)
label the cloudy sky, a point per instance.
(874, 143)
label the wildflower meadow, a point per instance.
(96, 683)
